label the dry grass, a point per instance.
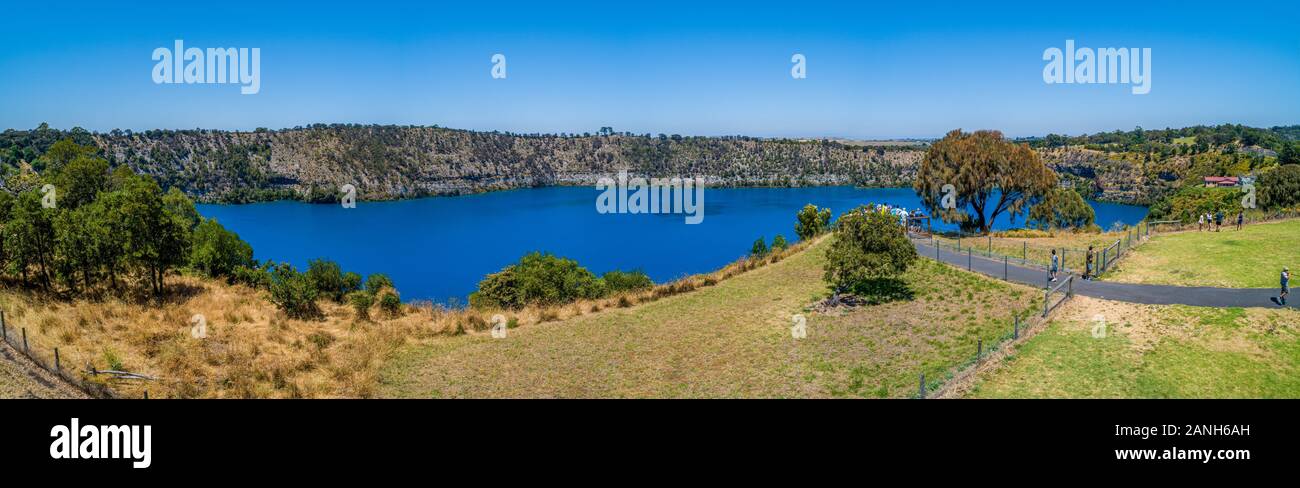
(254, 351)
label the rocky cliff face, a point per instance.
(398, 162)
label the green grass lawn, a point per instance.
(1250, 258)
(728, 340)
(1156, 352)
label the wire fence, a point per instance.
(1025, 253)
(1017, 326)
(52, 362)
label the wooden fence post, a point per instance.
(25, 342)
(979, 349)
(968, 259)
(1024, 252)
(922, 389)
(1015, 334)
(57, 367)
(3, 329)
(1005, 268)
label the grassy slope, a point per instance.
(1250, 258)
(1155, 352)
(728, 340)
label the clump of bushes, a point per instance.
(546, 279)
(622, 281)
(811, 222)
(293, 292)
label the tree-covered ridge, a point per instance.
(386, 162)
(1195, 139)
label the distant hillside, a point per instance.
(387, 162)
(390, 162)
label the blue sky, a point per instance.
(896, 69)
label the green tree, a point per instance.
(60, 154)
(759, 249)
(1290, 153)
(989, 176)
(80, 180)
(77, 239)
(30, 238)
(156, 238)
(778, 242)
(869, 252)
(216, 251)
(1062, 208)
(1279, 188)
(811, 222)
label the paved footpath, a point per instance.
(1201, 296)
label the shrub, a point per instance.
(377, 282)
(498, 290)
(351, 282)
(759, 249)
(292, 292)
(327, 279)
(255, 277)
(390, 304)
(619, 281)
(778, 243)
(1280, 188)
(541, 279)
(869, 246)
(361, 303)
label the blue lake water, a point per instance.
(439, 248)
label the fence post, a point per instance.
(922, 385)
(57, 367)
(1069, 287)
(990, 244)
(25, 342)
(3, 329)
(1015, 334)
(1005, 267)
(1047, 295)
(968, 259)
(1103, 260)
(1024, 253)
(979, 349)
(146, 394)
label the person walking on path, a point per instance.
(1241, 219)
(1218, 221)
(1200, 223)
(1051, 272)
(1286, 286)
(1087, 270)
